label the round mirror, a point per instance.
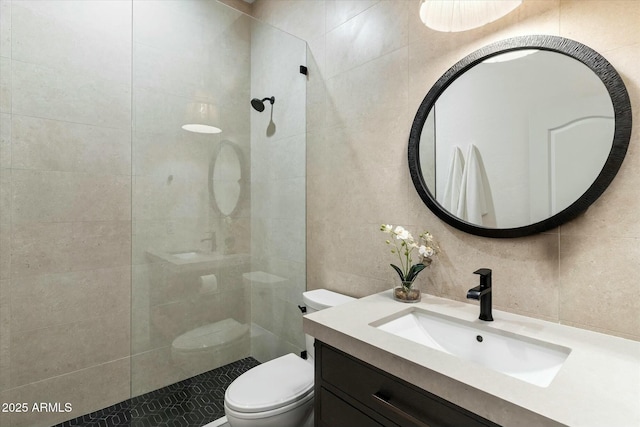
(225, 178)
(520, 136)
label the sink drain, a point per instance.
(479, 338)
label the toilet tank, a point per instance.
(319, 299)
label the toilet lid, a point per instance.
(211, 335)
(271, 385)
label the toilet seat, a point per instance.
(273, 387)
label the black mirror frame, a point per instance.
(622, 133)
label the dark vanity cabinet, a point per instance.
(352, 393)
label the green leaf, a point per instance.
(398, 271)
(414, 270)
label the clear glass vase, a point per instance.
(406, 292)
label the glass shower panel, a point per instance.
(218, 218)
(278, 197)
(190, 312)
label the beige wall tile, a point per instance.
(56, 350)
(54, 145)
(5, 140)
(5, 85)
(5, 420)
(54, 196)
(70, 38)
(65, 95)
(303, 19)
(598, 284)
(603, 25)
(42, 248)
(351, 97)
(86, 390)
(153, 370)
(55, 299)
(5, 28)
(340, 11)
(376, 31)
(5, 335)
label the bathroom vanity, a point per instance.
(368, 375)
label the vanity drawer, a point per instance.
(394, 399)
(335, 412)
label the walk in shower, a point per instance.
(135, 252)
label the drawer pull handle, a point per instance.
(385, 401)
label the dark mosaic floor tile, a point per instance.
(193, 402)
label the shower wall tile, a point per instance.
(5, 335)
(55, 196)
(177, 73)
(340, 11)
(5, 140)
(43, 91)
(62, 38)
(86, 390)
(53, 145)
(152, 370)
(360, 39)
(183, 154)
(5, 28)
(61, 247)
(303, 19)
(56, 299)
(170, 196)
(5, 85)
(57, 350)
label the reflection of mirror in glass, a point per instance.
(542, 127)
(226, 177)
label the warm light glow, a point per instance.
(201, 117)
(463, 15)
(197, 128)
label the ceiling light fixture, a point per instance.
(463, 15)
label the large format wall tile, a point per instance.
(598, 286)
(67, 37)
(56, 350)
(5, 28)
(5, 336)
(86, 390)
(60, 247)
(55, 299)
(46, 92)
(378, 30)
(60, 196)
(5, 85)
(53, 145)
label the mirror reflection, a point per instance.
(514, 141)
(226, 178)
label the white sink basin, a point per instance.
(530, 360)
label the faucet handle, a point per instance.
(485, 277)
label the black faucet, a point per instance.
(483, 293)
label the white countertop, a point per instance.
(598, 385)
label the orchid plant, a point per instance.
(403, 244)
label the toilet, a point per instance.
(211, 345)
(279, 393)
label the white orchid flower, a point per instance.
(386, 228)
(426, 251)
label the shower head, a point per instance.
(258, 104)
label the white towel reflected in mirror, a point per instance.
(454, 181)
(475, 204)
